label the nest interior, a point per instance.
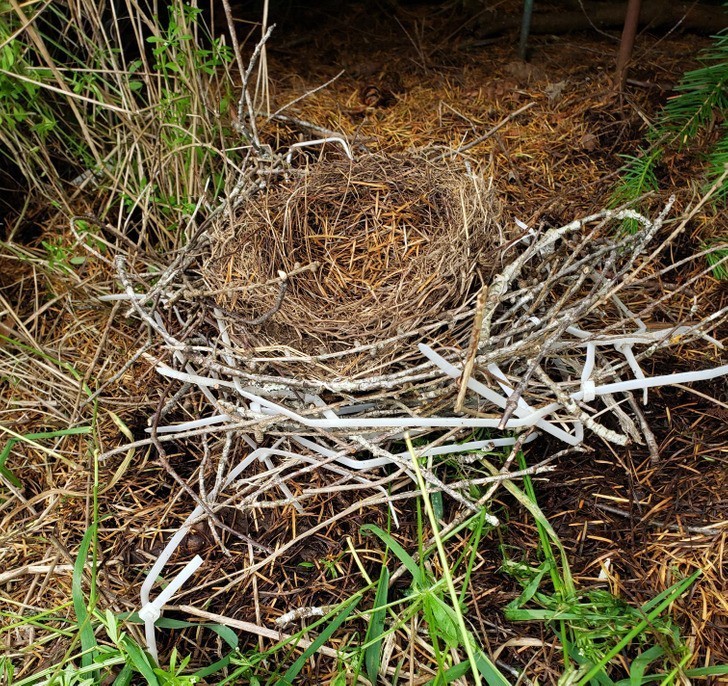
(370, 247)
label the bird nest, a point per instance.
(348, 253)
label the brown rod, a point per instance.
(629, 32)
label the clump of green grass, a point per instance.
(595, 627)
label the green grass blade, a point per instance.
(568, 589)
(123, 678)
(292, 673)
(657, 607)
(485, 667)
(30, 438)
(489, 671)
(532, 615)
(530, 590)
(699, 672)
(372, 655)
(476, 657)
(88, 638)
(402, 555)
(478, 523)
(141, 662)
(640, 664)
(449, 675)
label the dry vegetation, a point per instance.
(307, 282)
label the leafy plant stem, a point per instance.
(657, 609)
(443, 559)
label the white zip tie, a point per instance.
(319, 141)
(526, 419)
(587, 383)
(626, 350)
(151, 612)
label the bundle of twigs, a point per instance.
(538, 333)
(323, 318)
(544, 347)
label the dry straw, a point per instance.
(370, 248)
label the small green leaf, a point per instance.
(402, 555)
(445, 620)
(141, 662)
(88, 639)
(372, 655)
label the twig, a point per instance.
(277, 113)
(472, 348)
(710, 530)
(573, 409)
(487, 134)
(254, 629)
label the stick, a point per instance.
(473, 347)
(487, 134)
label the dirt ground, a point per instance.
(418, 77)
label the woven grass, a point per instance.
(373, 246)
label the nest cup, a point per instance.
(370, 249)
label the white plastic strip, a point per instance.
(319, 141)
(151, 611)
(654, 381)
(587, 384)
(523, 409)
(626, 350)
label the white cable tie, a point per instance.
(526, 416)
(150, 638)
(626, 350)
(654, 381)
(178, 581)
(318, 401)
(193, 424)
(349, 462)
(319, 141)
(586, 373)
(150, 612)
(196, 379)
(587, 388)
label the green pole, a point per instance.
(525, 28)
